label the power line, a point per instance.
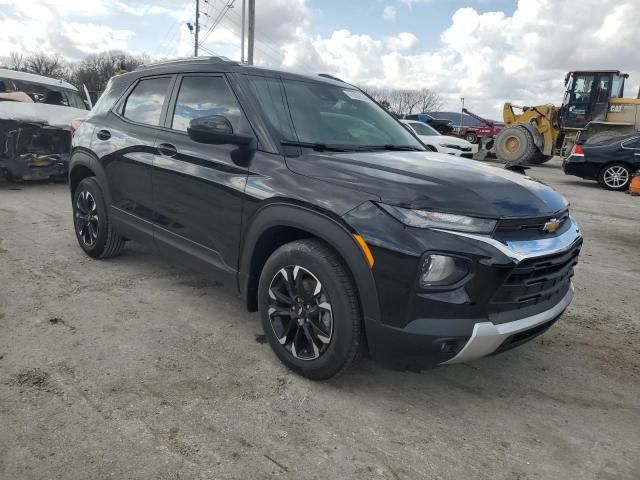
(178, 21)
(223, 11)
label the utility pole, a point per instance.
(252, 28)
(195, 44)
(244, 5)
(462, 113)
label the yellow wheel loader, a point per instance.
(592, 111)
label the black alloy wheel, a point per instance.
(300, 312)
(310, 309)
(91, 221)
(87, 218)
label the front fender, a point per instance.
(333, 231)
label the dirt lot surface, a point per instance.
(133, 369)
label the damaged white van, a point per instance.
(36, 114)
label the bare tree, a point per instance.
(430, 101)
(46, 65)
(16, 61)
(406, 102)
(96, 70)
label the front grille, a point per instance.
(536, 281)
(514, 225)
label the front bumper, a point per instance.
(420, 329)
(488, 338)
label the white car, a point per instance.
(442, 143)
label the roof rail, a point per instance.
(185, 60)
(326, 75)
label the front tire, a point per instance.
(91, 221)
(310, 310)
(515, 145)
(615, 176)
(471, 137)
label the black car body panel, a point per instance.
(426, 180)
(597, 156)
(225, 208)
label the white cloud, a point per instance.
(402, 41)
(486, 57)
(389, 13)
(490, 58)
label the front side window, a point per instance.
(204, 96)
(270, 95)
(335, 115)
(581, 95)
(145, 102)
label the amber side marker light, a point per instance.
(365, 249)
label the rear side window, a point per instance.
(144, 104)
(634, 143)
(203, 96)
(111, 93)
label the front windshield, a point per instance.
(333, 115)
(423, 129)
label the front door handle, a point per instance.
(104, 135)
(167, 150)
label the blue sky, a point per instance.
(425, 19)
(488, 51)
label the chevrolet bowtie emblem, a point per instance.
(551, 226)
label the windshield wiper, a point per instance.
(389, 146)
(318, 147)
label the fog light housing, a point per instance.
(441, 270)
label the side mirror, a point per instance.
(215, 130)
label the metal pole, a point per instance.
(462, 113)
(244, 5)
(195, 43)
(252, 28)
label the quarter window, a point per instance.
(144, 104)
(203, 96)
(634, 143)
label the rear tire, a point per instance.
(615, 176)
(310, 310)
(515, 145)
(91, 221)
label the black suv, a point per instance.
(324, 213)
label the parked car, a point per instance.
(611, 162)
(442, 125)
(36, 113)
(441, 143)
(324, 213)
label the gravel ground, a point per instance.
(133, 369)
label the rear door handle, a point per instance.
(104, 135)
(167, 150)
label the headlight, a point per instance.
(445, 221)
(441, 270)
(450, 145)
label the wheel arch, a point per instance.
(616, 162)
(278, 223)
(84, 164)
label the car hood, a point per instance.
(433, 181)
